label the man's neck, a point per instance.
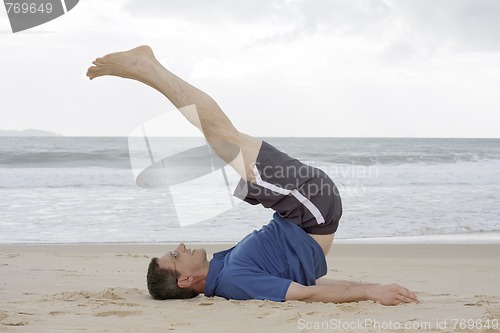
(200, 285)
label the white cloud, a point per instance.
(295, 67)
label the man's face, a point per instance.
(187, 263)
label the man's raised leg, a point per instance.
(199, 108)
(203, 112)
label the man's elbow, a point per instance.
(298, 292)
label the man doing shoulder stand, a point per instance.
(285, 260)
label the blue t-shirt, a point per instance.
(264, 263)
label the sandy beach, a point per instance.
(101, 288)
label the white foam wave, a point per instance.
(64, 177)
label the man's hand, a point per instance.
(346, 291)
(391, 294)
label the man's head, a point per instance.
(180, 273)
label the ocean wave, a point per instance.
(380, 151)
(121, 160)
(114, 152)
(64, 159)
(65, 177)
(366, 159)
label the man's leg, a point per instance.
(203, 112)
(325, 241)
(199, 108)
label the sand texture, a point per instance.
(101, 288)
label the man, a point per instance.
(285, 260)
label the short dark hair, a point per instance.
(162, 283)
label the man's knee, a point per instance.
(237, 149)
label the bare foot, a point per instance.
(132, 64)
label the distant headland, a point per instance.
(27, 132)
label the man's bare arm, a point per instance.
(342, 283)
(391, 294)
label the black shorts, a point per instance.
(301, 194)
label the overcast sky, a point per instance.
(382, 68)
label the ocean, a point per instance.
(84, 189)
